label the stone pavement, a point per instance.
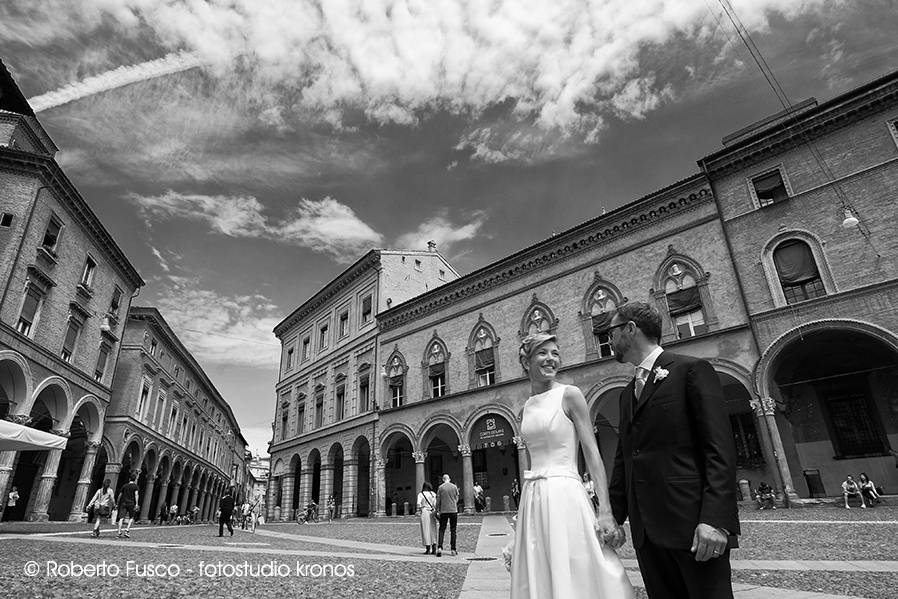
(489, 579)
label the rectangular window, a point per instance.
(172, 420)
(306, 348)
(603, 344)
(116, 302)
(748, 447)
(301, 419)
(366, 309)
(364, 394)
(338, 405)
(438, 385)
(284, 419)
(396, 396)
(73, 330)
(319, 408)
(417, 265)
(30, 307)
(87, 275)
(485, 367)
(160, 410)
(288, 361)
(102, 358)
(153, 347)
(51, 235)
(770, 188)
(6, 220)
(690, 324)
(442, 275)
(801, 292)
(322, 337)
(143, 399)
(344, 323)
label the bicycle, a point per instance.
(309, 515)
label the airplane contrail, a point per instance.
(120, 77)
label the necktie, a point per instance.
(642, 376)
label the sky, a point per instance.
(243, 152)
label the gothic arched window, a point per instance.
(434, 364)
(483, 361)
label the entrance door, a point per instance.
(855, 429)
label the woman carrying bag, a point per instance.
(103, 503)
(427, 507)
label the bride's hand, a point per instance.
(607, 529)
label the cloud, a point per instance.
(442, 231)
(325, 226)
(567, 64)
(219, 328)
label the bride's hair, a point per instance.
(530, 344)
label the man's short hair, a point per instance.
(646, 317)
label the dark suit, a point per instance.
(676, 467)
(226, 507)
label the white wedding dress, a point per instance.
(557, 554)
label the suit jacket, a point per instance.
(226, 504)
(447, 498)
(676, 461)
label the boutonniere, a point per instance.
(660, 374)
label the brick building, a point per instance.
(326, 406)
(820, 288)
(168, 423)
(66, 286)
(755, 263)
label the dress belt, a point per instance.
(531, 475)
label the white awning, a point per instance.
(15, 437)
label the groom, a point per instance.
(675, 469)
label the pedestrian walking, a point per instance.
(427, 507)
(127, 505)
(226, 510)
(102, 504)
(447, 506)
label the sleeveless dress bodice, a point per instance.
(550, 436)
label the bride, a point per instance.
(562, 547)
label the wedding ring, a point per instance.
(716, 552)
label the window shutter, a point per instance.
(601, 322)
(484, 358)
(795, 262)
(684, 300)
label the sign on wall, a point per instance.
(491, 431)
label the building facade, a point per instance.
(809, 206)
(66, 289)
(327, 404)
(776, 263)
(168, 424)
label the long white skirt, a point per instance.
(428, 527)
(557, 554)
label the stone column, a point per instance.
(7, 459)
(327, 484)
(41, 503)
(275, 483)
(305, 486)
(765, 411)
(350, 488)
(77, 514)
(288, 483)
(380, 486)
(163, 493)
(111, 472)
(173, 496)
(419, 457)
(467, 470)
(269, 499)
(204, 502)
(182, 498)
(192, 500)
(523, 458)
(147, 499)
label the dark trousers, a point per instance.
(674, 573)
(225, 518)
(452, 519)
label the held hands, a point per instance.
(608, 531)
(708, 542)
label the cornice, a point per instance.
(347, 277)
(795, 131)
(645, 212)
(56, 180)
(20, 119)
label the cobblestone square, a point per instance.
(817, 553)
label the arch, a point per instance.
(815, 243)
(393, 432)
(684, 313)
(56, 390)
(111, 454)
(761, 375)
(425, 432)
(434, 368)
(502, 410)
(396, 369)
(15, 382)
(735, 370)
(295, 460)
(481, 352)
(594, 394)
(335, 449)
(537, 316)
(360, 442)
(596, 309)
(94, 412)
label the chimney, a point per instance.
(431, 246)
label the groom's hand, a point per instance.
(708, 542)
